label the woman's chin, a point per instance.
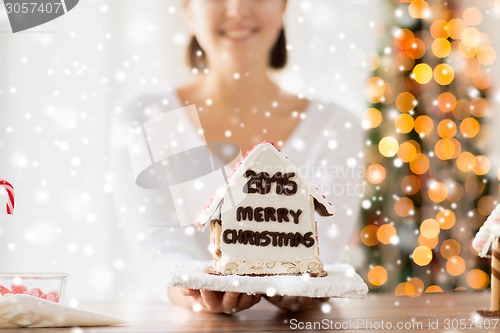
(241, 63)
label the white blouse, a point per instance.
(326, 146)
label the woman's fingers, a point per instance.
(230, 302)
(284, 302)
(274, 299)
(227, 302)
(212, 300)
(289, 302)
(294, 303)
(304, 301)
(191, 292)
(245, 300)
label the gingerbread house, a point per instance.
(262, 220)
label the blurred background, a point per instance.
(420, 75)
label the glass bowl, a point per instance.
(49, 286)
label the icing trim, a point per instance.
(248, 267)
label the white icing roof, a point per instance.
(321, 204)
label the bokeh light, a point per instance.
(418, 286)
(466, 51)
(447, 102)
(479, 107)
(429, 228)
(375, 89)
(388, 146)
(433, 289)
(439, 29)
(377, 276)
(404, 289)
(455, 28)
(447, 128)
(477, 279)
(410, 184)
(428, 242)
(408, 151)
(405, 102)
(403, 207)
(415, 48)
(446, 219)
(486, 55)
(419, 9)
(471, 37)
(444, 74)
(469, 127)
(472, 16)
(375, 173)
(386, 234)
(482, 80)
(422, 255)
(422, 73)
(445, 149)
(483, 165)
(413, 288)
(437, 191)
(420, 164)
(486, 205)
(401, 38)
(449, 248)
(372, 118)
(404, 123)
(441, 47)
(368, 235)
(466, 162)
(424, 125)
(455, 266)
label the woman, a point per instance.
(239, 41)
(235, 44)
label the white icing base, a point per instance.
(341, 281)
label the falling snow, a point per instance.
(58, 134)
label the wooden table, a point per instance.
(442, 312)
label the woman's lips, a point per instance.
(238, 34)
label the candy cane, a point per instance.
(10, 192)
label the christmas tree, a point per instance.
(428, 185)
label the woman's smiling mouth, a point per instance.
(239, 34)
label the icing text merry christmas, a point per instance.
(263, 183)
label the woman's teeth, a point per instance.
(238, 34)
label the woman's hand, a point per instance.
(222, 302)
(295, 303)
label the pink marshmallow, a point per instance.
(18, 289)
(52, 296)
(34, 292)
